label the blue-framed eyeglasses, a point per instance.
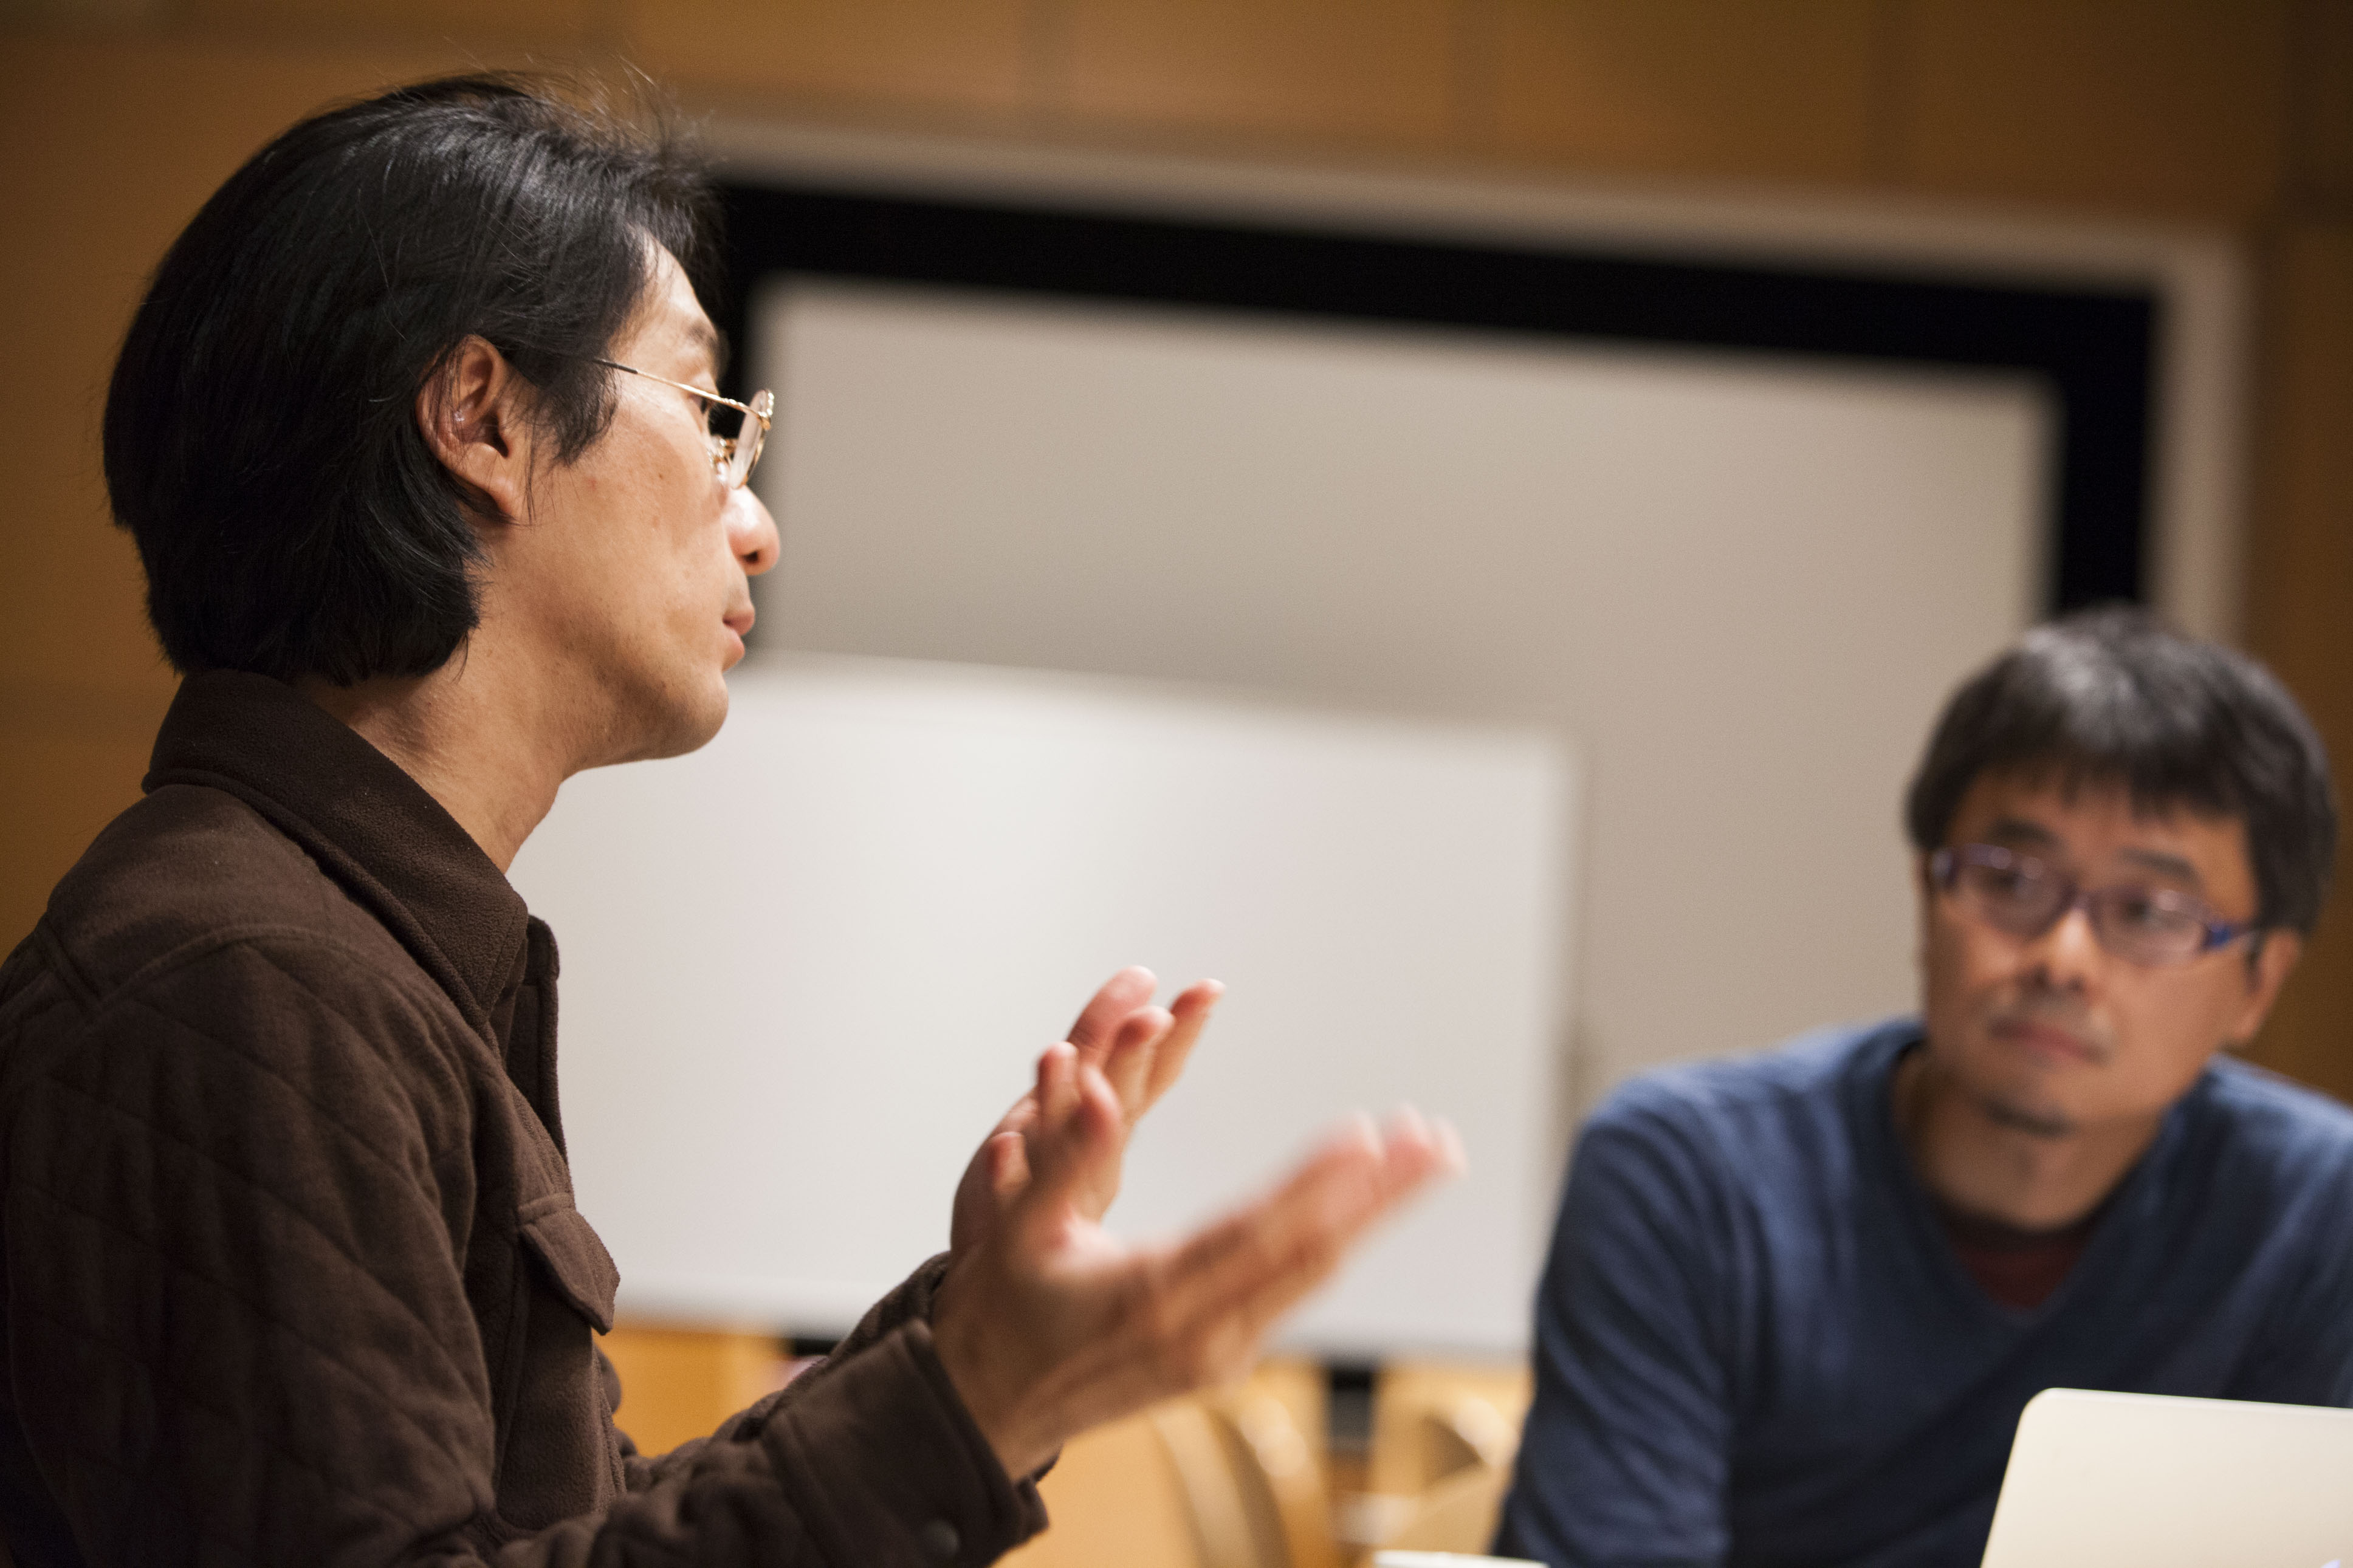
(2025, 896)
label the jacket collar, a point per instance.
(354, 811)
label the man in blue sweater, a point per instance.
(1796, 1302)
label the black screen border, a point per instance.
(2093, 348)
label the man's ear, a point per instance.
(2266, 973)
(1924, 883)
(469, 411)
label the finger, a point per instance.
(1416, 1149)
(1191, 1012)
(993, 1179)
(1311, 1212)
(1262, 1258)
(1069, 1153)
(1099, 1020)
(1008, 1165)
(1129, 1062)
(1058, 1090)
(1019, 1116)
(1456, 1159)
(1445, 1143)
(1221, 1289)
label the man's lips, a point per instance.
(738, 623)
(2048, 1039)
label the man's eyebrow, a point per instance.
(712, 341)
(2163, 865)
(2019, 829)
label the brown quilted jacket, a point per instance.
(291, 1271)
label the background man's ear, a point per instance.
(2265, 975)
(469, 413)
(1925, 885)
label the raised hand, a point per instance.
(1048, 1325)
(1139, 1048)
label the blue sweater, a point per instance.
(1755, 1346)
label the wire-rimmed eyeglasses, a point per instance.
(2026, 897)
(734, 454)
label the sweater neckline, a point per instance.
(2127, 1207)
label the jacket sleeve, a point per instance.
(238, 1328)
(909, 1302)
(878, 1463)
(1626, 1453)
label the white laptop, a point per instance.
(2158, 1482)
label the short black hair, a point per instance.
(2112, 698)
(261, 437)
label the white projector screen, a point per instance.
(806, 968)
(1744, 581)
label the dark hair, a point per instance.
(261, 437)
(2112, 698)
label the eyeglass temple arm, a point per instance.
(742, 408)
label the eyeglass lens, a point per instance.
(751, 435)
(2022, 896)
(736, 438)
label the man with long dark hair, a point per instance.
(418, 430)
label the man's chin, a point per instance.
(676, 723)
(703, 723)
(2022, 1092)
(2036, 1119)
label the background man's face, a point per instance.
(2052, 1032)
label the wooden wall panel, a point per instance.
(1114, 1499)
(1376, 71)
(2301, 598)
(60, 786)
(133, 136)
(2321, 120)
(114, 142)
(111, 195)
(678, 1383)
(1705, 88)
(566, 21)
(2174, 106)
(958, 54)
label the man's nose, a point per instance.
(2069, 954)
(751, 531)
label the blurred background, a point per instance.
(2210, 139)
